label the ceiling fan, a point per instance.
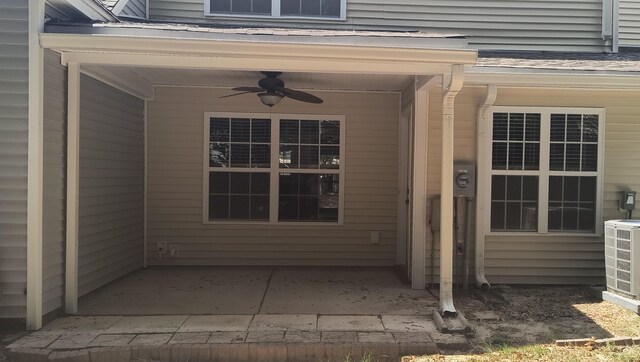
(271, 90)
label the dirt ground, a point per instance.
(526, 327)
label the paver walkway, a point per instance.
(260, 337)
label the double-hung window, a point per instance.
(546, 166)
(273, 168)
(325, 9)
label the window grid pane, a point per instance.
(247, 7)
(514, 203)
(240, 142)
(574, 142)
(572, 203)
(309, 197)
(312, 8)
(516, 141)
(309, 144)
(238, 196)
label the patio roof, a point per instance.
(597, 62)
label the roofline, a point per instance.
(240, 54)
(549, 78)
(93, 9)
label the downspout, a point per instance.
(482, 152)
(446, 185)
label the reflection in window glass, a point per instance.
(572, 204)
(238, 196)
(309, 197)
(514, 203)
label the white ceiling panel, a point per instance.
(230, 79)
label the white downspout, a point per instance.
(482, 152)
(446, 185)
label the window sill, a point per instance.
(267, 223)
(550, 234)
(275, 18)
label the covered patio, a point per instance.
(141, 234)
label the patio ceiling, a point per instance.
(232, 78)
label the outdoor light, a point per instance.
(270, 98)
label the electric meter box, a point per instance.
(464, 179)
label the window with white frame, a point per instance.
(545, 169)
(273, 168)
(332, 9)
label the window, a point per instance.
(274, 168)
(326, 9)
(545, 169)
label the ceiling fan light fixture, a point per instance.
(270, 98)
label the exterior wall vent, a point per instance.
(622, 257)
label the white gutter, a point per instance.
(482, 152)
(446, 185)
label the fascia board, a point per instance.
(238, 48)
(521, 77)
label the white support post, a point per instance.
(446, 194)
(419, 194)
(35, 167)
(73, 187)
(482, 153)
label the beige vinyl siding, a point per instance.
(111, 220)
(549, 259)
(490, 24)
(629, 23)
(135, 8)
(14, 88)
(175, 184)
(55, 123)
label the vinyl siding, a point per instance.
(135, 8)
(111, 220)
(14, 85)
(175, 189)
(55, 123)
(490, 24)
(629, 23)
(538, 259)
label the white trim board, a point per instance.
(35, 168)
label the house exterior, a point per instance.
(119, 148)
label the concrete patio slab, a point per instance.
(73, 341)
(112, 340)
(340, 337)
(283, 322)
(151, 339)
(148, 324)
(190, 338)
(350, 323)
(302, 337)
(216, 323)
(398, 323)
(265, 337)
(34, 341)
(342, 291)
(376, 337)
(77, 325)
(227, 337)
(180, 290)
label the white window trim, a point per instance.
(275, 13)
(274, 170)
(544, 171)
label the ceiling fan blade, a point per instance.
(248, 89)
(300, 95)
(236, 94)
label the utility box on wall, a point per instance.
(464, 179)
